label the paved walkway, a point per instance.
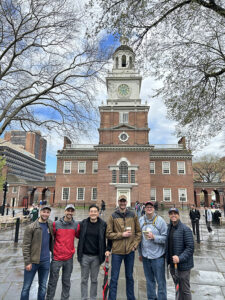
(207, 277)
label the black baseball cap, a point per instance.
(149, 203)
(174, 209)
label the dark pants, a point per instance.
(184, 283)
(67, 268)
(129, 266)
(208, 224)
(43, 269)
(195, 227)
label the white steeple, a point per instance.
(124, 82)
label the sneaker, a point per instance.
(212, 233)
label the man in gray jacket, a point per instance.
(152, 252)
(37, 243)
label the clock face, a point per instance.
(123, 136)
(123, 90)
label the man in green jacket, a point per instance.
(124, 230)
(37, 244)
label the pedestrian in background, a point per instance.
(124, 230)
(91, 251)
(102, 207)
(34, 213)
(152, 252)
(179, 251)
(37, 243)
(64, 231)
(209, 220)
(195, 217)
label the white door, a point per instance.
(125, 192)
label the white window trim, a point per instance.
(180, 193)
(69, 163)
(93, 163)
(15, 202)
(153, 188)
(122, 113)
(92, 194)
(152, 162)
(14, 191)
(79, 167)
(83, 195)
(65, 187)
(178, 168)
(163, 169)
(164, 195)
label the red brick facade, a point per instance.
(124, 154)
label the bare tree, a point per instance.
(209, 168)
(48, 70)
(181, 43)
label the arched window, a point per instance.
(124, 61)
(130, 63)
(117, 62)
(123, 177)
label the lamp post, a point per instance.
(5, 189)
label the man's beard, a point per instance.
(44, 218)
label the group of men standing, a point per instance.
(150, 235)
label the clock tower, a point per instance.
(124, 120)
(123, 147)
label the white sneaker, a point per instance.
(212, 233)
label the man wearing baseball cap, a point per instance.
(64, 231)
(37, 244)
(179, 252)
(152, 252)
(124, 230)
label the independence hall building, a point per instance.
(124, 162)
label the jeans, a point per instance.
(43, 269)
(89, 265)
(184, 281)
(67, 268)
(129, 266)
(154, 270)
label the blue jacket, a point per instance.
(183, 246)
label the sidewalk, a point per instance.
(207, 277)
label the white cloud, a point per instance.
(161, 129)
(215, 147)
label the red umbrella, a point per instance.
(105, 281)
(176, 280)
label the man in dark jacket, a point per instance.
(91, 251)
(195, 217)
(37, 244)
(180, 250)
(64, 231)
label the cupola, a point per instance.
(123, 57)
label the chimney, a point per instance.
(66, 142)
(182, 141)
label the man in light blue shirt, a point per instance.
(152, 252)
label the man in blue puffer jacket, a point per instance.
(180, 250)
